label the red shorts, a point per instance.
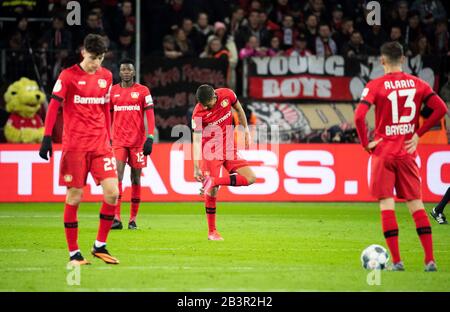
(212, 167)
(403, 174)
(75, 166)
(133, 156)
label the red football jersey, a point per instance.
(398, 98)
(209, 121)
(85, 102)
(128, 105)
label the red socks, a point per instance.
(233, 180)
(119, 201)
(71, 226)
(106, 220)
(390, 230)
(424, 231)
(135, 200)
(210, 204)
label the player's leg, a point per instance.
(135, 196)
(241, 175)
(121, 156)
(73, 174)
(423, 227)
(390, 231)
(73, 199)
(438, 212)
(117, 223)
(211, 169)
(103, 169)
(137, 161)
(382, 181)
(408, 186)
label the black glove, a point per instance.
(46, 147)
(148, 145)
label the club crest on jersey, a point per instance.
(68, 178)
(102, 83)
(134, 95)
(225, 103)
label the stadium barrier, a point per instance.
(288, 172)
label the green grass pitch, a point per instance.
(267, 247)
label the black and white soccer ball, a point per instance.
(374, 257)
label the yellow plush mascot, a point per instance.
(23, 100)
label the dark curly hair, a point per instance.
(95, 44)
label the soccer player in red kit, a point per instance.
(129, 101)
(398, 98)
(83, 91)
(213, 147)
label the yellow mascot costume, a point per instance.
(23, 100)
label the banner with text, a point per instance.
(173, 84)
(333, 78)
(289, 172)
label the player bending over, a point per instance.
(438, 212)
(83, 91)
(129, 100)
(397, 98)
(214, 147)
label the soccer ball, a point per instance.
(374, 257)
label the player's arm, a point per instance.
(438, 109)
(107, 108)
(243, 121)
(367, 99)
(150, 115)
(197, 154)
(57, 97)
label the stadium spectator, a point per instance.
(92, 26)
(280, 9)
(288, 32)
(325, 45)
(267, 23)
(215, 49)
(430, 11)
(375, 38)
(421, 47)
(441, 38)
(203, 28)
(401, 15)
(275, 47)
(125, 20)
(300, 47)
(412, 30)
(236, 21)
(170, 48)
(58, 37)
(311, 31)
(220, 31)
(356, 48)
(337, 17)
(125, 46)
(254, 28)
(342, 36)
(192, 35)
(103, 22)
(183, 43)
(252, 48)
(317, 8)
(396, 35)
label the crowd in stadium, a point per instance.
(223, 29)
(233, 29)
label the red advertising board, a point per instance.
(286, 172)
